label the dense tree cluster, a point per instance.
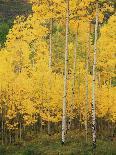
(37, 66)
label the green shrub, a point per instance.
(32, 151)
(3, 150)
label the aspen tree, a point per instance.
(50, 57)
(65, 75)
(74, 78)
(93, 82)
(87, 82)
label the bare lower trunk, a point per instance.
(86, 106)
(20, 131)
(41, 125)
(2, 132)
(93, 83)
(87, 71)
(80, 120)
(49, 128)
(73, 82)
(65, 77)
(16, 135)
(79, 108)
(10, 137)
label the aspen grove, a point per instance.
(57, 72)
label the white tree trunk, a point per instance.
(86, 104)
(65, 76)
(87, 70)
(93, 83)
(73, 81)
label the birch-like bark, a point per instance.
(73, 81)
(86, 104)
(65, 76)
(93, 82)
(87, 70)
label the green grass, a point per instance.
(42, 144)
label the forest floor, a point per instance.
(42, 144)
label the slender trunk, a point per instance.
(79, 108)
(93, 83)
(2, 131)
(10, 137)
(41, 126)
(16, 135)
(50, 59)
(80, 117)
(50, 44)
(49, 128)
(34, 124)
(87, 70)
(65, 76)
(5, 140)
(86, 110)
(73, 82)
(20, 131)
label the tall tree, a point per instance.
(87, 82)
(93, 82)
(65, 75)
(74, 77)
